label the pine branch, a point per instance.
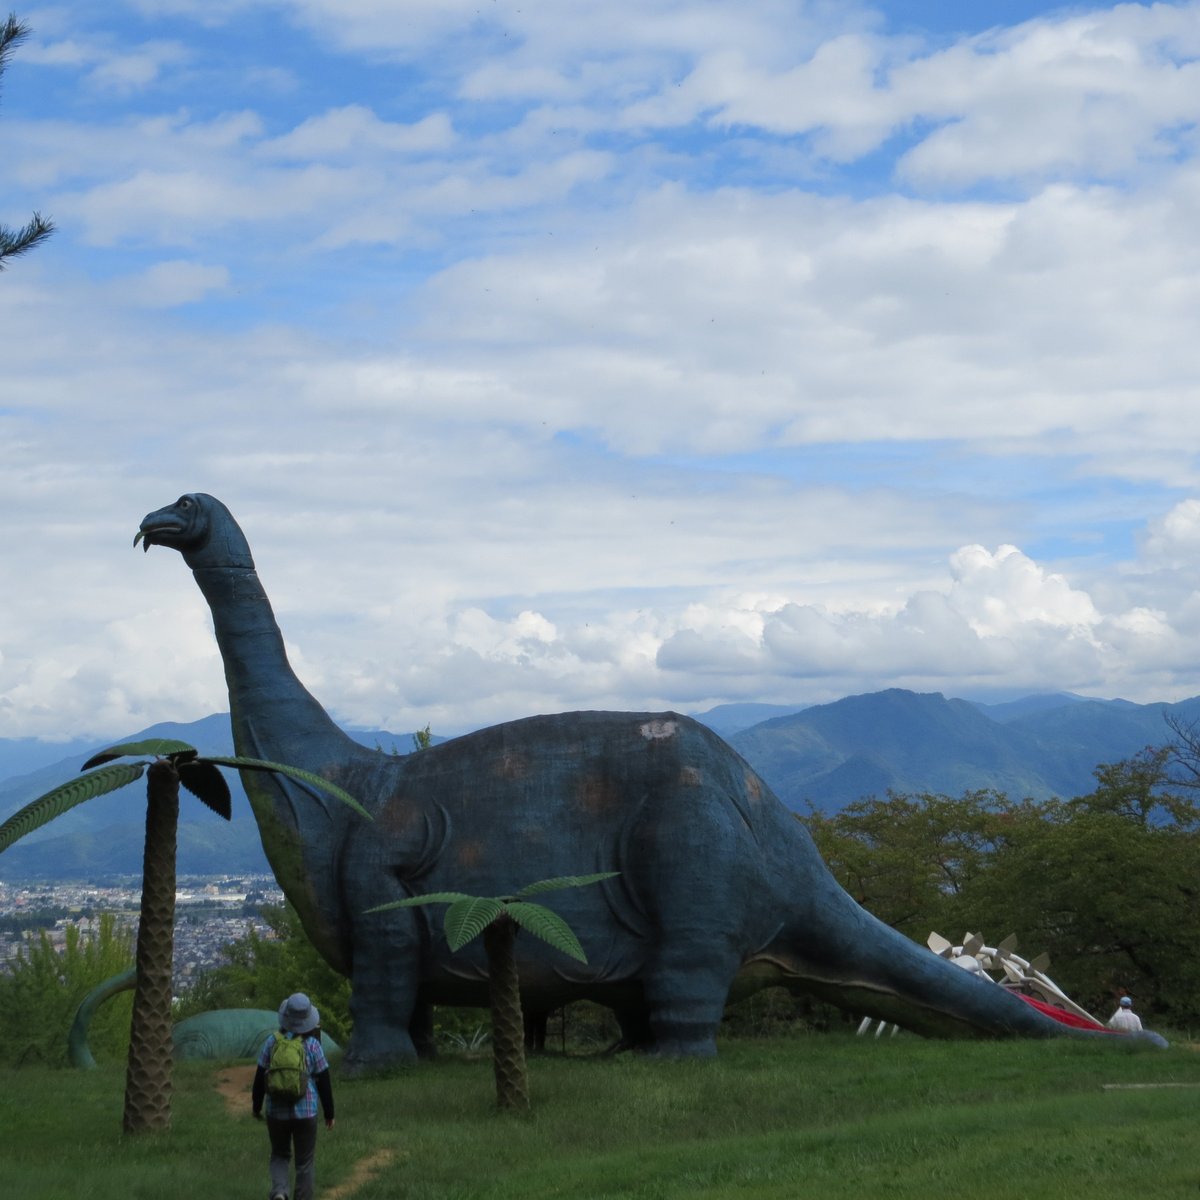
(12, 32)
(18, 241)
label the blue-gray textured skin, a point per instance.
(721, 890)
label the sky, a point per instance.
(645, 354)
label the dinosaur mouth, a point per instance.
(156, 533)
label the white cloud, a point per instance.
(1095, 93)
(1064, 94)
(429, 563)
(354, 130)
(832, 92)
(999, 620)
(104, 65)
(1173, 540)
(633, 398)
(998, 593)
(174, 282)
(792, 319)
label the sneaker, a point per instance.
(279, 1196)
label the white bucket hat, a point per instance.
(298, 1014)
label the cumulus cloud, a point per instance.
(1001, 620)
(1173, 540)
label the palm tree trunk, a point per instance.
(148, 1078)
(508, 1028)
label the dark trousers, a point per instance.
(297, 1134)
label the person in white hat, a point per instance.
(1125, 1020)
(292, 1104)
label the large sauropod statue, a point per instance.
(721, 890)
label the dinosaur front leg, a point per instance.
(383, 996)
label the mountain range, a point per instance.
(104, 837)
(902, 741)
(826, 755)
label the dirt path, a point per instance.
(364, 1171)
(234, 1084)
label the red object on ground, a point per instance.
(1063, 1017)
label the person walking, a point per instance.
(1125, 1020)
(290, 1080)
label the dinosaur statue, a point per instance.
(220, 1034)
(721, 890)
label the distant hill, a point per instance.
(20, 756)
(1025, 706)
(105, 835)
(727, 719)
(905, 741)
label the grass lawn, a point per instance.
(824, 1116)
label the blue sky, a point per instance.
(563, 354)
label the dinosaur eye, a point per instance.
(184, 502)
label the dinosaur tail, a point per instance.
(871, 969)
(78, 1050)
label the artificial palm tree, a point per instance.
(499, 919)
(148, 1078)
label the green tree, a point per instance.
(499, 919)
(45, 983)
(1103, 883)
(17, 241)
(148, 1078)
(423, 738)
(1106, 884)
(1145, 790)
(909, 858)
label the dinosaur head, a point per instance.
(201, 528)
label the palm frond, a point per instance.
(414, 901)
(564, 881)
(469, 917)
(160, 747)
(547, 925)
(208, 785)
(54, 803)
(298, 773)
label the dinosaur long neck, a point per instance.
(275, 717)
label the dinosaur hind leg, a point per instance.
(685, 1000)
(420, 1029)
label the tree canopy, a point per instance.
(1104, 883)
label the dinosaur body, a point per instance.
(721, 890)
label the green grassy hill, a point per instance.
(827, 1117)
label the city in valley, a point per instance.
(210, 912)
